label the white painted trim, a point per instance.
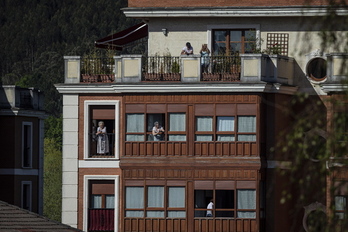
(30, 124)
(178, 88)
(30, 192)
(90, 163)
(19, 172)
(212, 27)
(89, 103)
(232, 12)
(85, 197)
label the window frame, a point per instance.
(87, 124)
(27, 139)
(28, 195)
(166, 209)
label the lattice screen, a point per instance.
(278, 41)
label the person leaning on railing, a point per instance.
(187, 50)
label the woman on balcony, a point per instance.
(205, 57)
(102, 139)
(157, 132)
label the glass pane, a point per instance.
(219, 49)
(250, 35)
(109, 201)
(177, 137)
(200, 213)
(204, 123)
(155, 214)
(246, 199)
(248, 138)
(224, 199)
(226, 138)
(236, 36)
(152, 118)
(155, 196)
(339, 215)
(204, 138)
(177, 122)
(224, 214)
(340, 202)
(246, 214)
(236, 47)
(176, 214)
(96, 201)
(247, 124)
(135, 123)
(176, 197)
(225, 124)
(137, 213)
(220, 35)
(134, 137)
(134, 197)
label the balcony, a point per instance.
(101, 219)
(245, 68)
(93, 152)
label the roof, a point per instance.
(13, 219)
(118, 40)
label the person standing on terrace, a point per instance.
(102, 139)
(187, 50)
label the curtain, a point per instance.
(177, 137)
(246, 199)
(247, 124)
(96, 201)
(135, 122)
(135, 138)
(176, 197)
(204, 123)
(340, 204)
(225, 124)
(136, 213)
(154, 214)
(248, 138)
(176, 214)
(177, 122)
(225, 138)
(109, 201)
(204, 138)
(155, 196)
(135, 200)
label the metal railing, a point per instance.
(161, 68)
(221, 68)
(93, 146)
(97, 69)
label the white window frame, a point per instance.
(87, 178)
(212, 27)
(23, 183)
(30, 154)
(86, 138)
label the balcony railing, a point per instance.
(97, 69)
(93, 151)
(245, 68)
(221, 68)
(161, 68)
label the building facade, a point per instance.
(223, 116)
(21, 167)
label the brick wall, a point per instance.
(217, 3)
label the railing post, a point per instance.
(72, 69)
(118, 68)
(190, 68)
(252, 67)
(131, 68)
(336, 71)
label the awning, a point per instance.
(118, 40)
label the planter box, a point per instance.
(171, 76)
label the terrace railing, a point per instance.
(161, 68)
(97, 69)
(221, 68)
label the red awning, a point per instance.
(118, 40)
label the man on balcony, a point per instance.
(187, 50)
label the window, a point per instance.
(278, 43)
(104, 145)
(316, 69)
(224, 128)
(227, 201)
(102, 194)
(231, 42)
(26, 195)
(27, 144)
(341, 207)
(174, 125)
(155, 201)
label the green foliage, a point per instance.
(54, 129)
(52, 180)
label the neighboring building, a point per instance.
(22, 140)
(221, 116)
(16, 219)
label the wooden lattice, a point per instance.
(278, 43)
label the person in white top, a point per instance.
(157, 132)
(210, 207)
(187, 50)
